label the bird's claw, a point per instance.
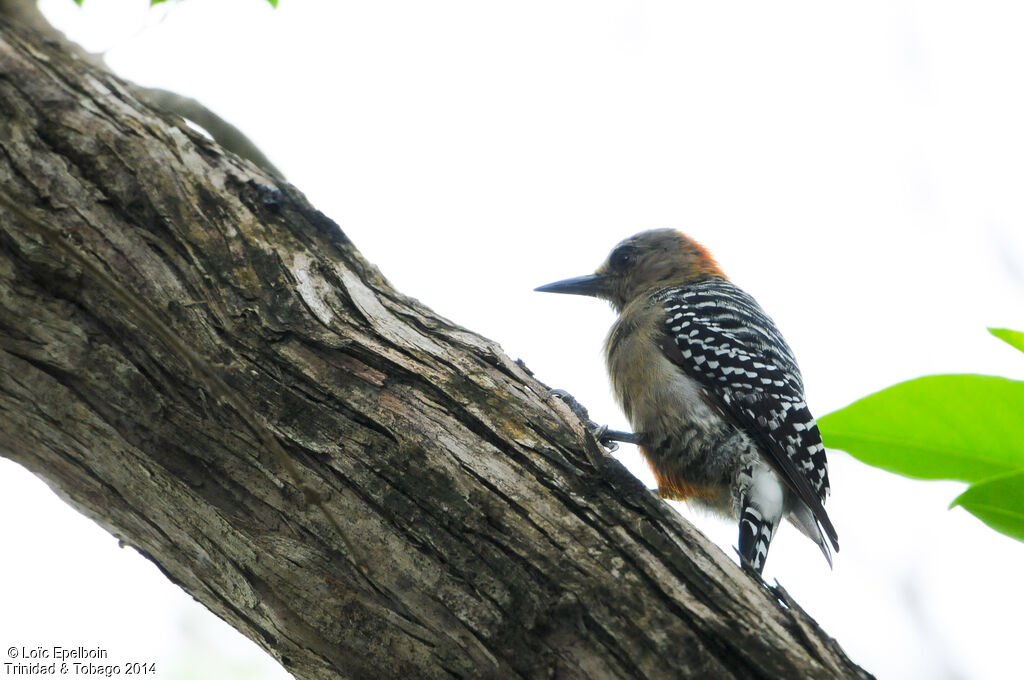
(607, 438)
(600, 433)
(576, 407)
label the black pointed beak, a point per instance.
(593, 285)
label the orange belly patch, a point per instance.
(673, 488)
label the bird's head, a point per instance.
(642, 264)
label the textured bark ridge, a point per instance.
(480, 533)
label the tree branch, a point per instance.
(26, 13)
(480, 530)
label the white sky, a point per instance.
(858, 168)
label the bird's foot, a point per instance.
(576, 407)
(607, 438)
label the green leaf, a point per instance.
(79, 2)
(966, 427)
(155, 2)
(998, 502)
(273, 3)
(1013, 338)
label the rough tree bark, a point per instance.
(170, 316)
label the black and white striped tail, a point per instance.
(755, 537)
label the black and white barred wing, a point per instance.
(722, 338)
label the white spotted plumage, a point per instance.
(719, 336)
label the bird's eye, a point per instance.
(622, 257)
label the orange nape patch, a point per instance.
(705, 263)
(671, 487)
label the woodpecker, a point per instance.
(712, 391)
